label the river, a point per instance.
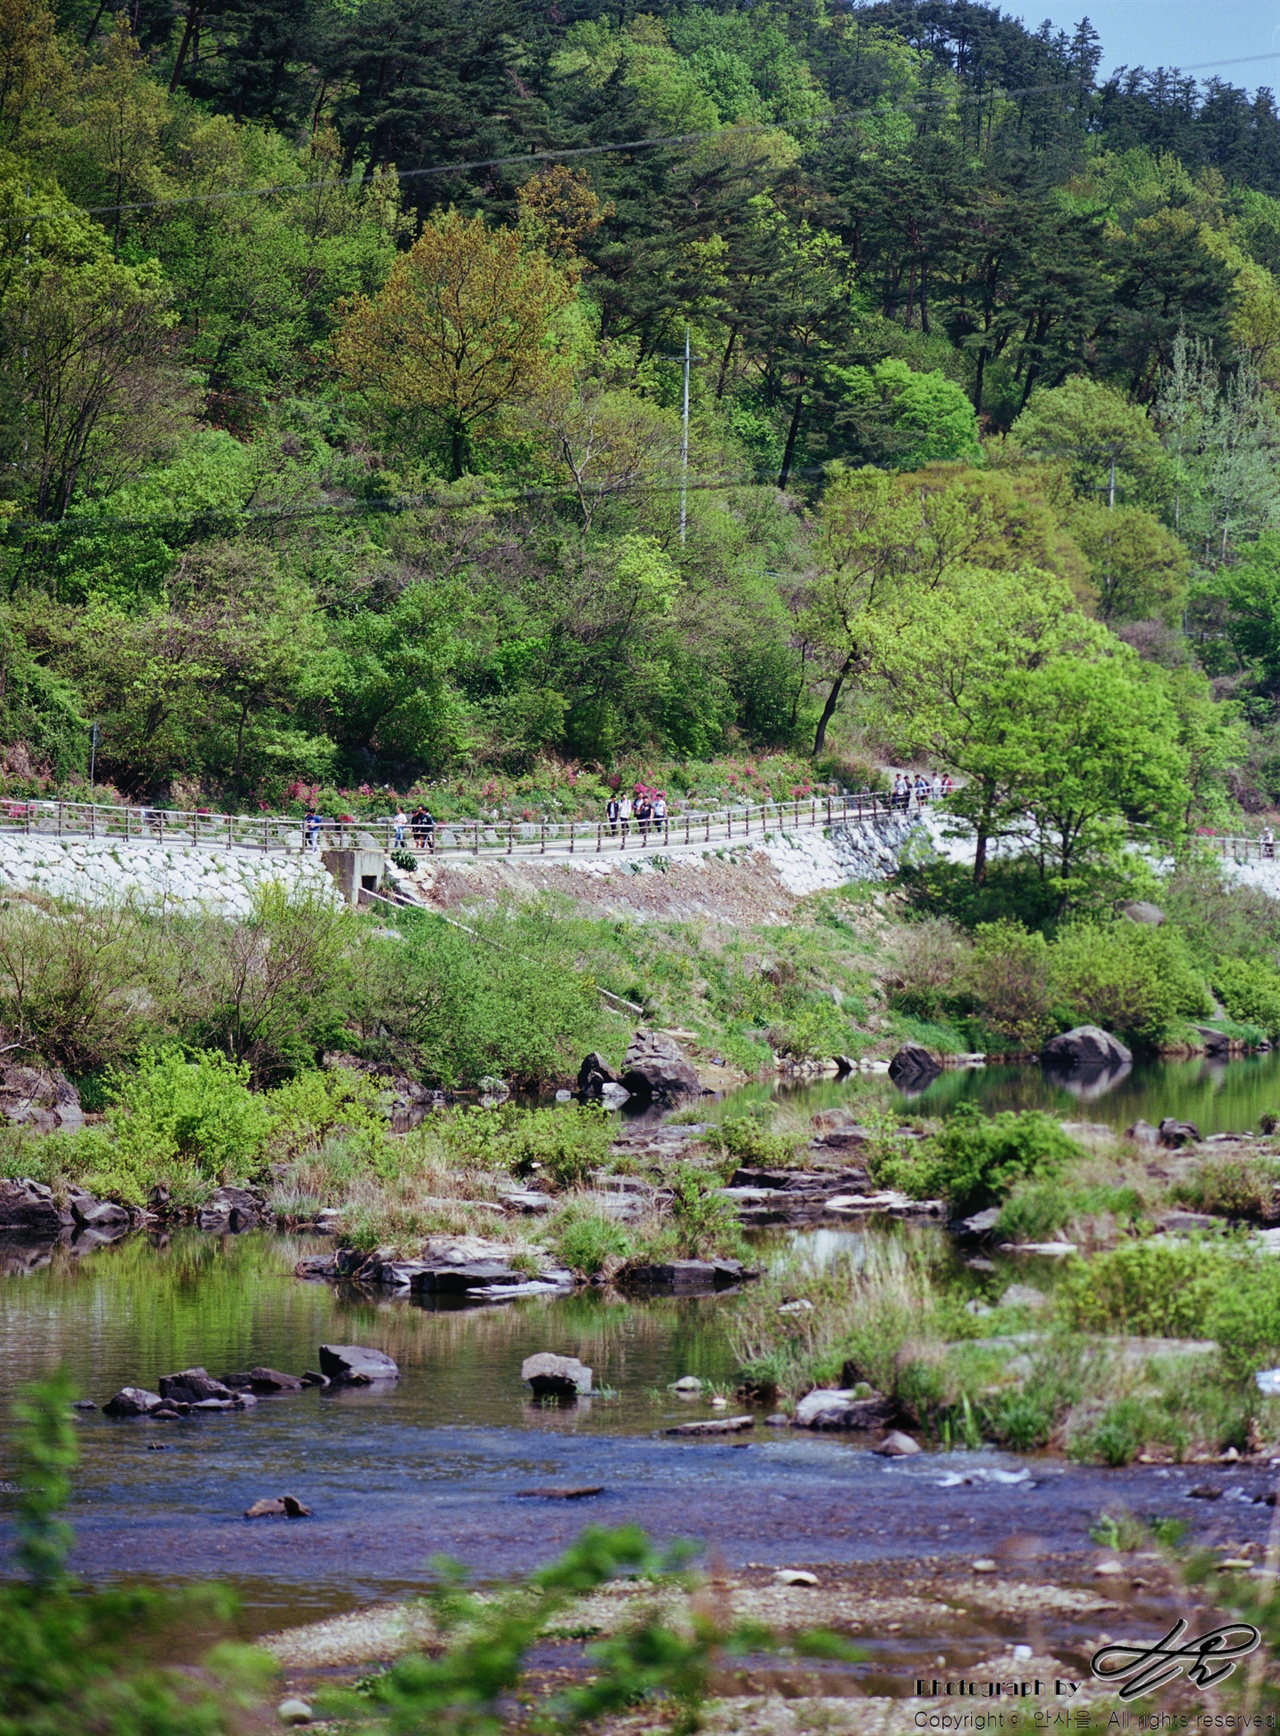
(1219, 1096)
(436, 1463)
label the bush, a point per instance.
(745, 1139)
(976, 1159)
(304, 1111)
(1231, 1188)
(1035, 1211)
(1244, 1317)
(1126, 977)
(509, 998)
(1250, 991)
(705, 1222)
(1007, 974)
(1150, 1288)
(197, 1112)
(564, 1146)
(588, 1241)
(929, 957)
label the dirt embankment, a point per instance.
(744, 888)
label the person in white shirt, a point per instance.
(400, 820)
(624, 815)
(660, 811)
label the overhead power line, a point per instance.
(465, 165)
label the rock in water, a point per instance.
(1175, 1134)
(1086, 1046)
(655, 1066)
(29, 1207)
(278, 1507)
(192, 1386)
(716, 1426)
(562, 1492)
(293, 1712)
(355, 1365)
(132, 1401)
(897, 1446)
(551, 1376)
(594, 1073)
(913, 1066)
(230, 1209)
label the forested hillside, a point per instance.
(342, 351)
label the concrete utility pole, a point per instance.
(684, 443)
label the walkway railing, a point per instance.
(1241, 849)
(477, 837)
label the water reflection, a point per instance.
(1219, 1095)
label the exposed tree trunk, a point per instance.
(193, 19)
(92, 31)
(724, 365)
(829, 709)
(980, 855)
(977, 383)
(790, 451)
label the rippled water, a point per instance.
(436, 1463)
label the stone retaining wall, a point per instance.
(186, 879)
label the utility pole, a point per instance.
(93, 756)
(684, 444)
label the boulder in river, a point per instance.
(913, 1067)
(191, 1385)
(656, 1067)
(684, 1276)
(552, 1376)
(278, 1507)
(230, 1208)
(29, 1208)
(841, 1408)
(132, 1401)
(594, 1073)
(355, 1365)
(1173, 1135)
(896, 1445)
(1086, 1046)
(715, 1426)
(263, 1381)
(94, 1214)
(1142, 1133)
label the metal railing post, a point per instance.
(511, 836)
(571, 837)
(599, 837)
(542, 834)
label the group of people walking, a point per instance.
(922, 790)
(421, 823)
(644, 811)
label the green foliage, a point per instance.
(588, 1241)
(506, 998)
(1127, 977)
(1037, 1211)
(1149, 1288)
(1249, 988)
(196, 1112)
(975, 1159)
(703, 1221)
(306, 1110)
(563, 1146)
(72, 1658)
(746, 1139)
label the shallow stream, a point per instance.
(436, 1463)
